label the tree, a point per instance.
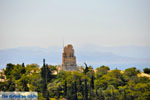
(46, 76)
(32, 68)
(22, 83)
(86, 69)
(85, 83)
(111, 93)
(3, 86)
(85, 89)
(65, 88)
(92, 82)
(11, 85)
(53, 68)
(100, 72)
(105, 67)
(35, 82)
(75, 91)
(8, 71)
(14, 71)
(123, 94)
(18, 71)
(101, 84)
(23, 65)
(99, 94)
(23, 70)
(146, 70)
(131, 72)
(116, 74)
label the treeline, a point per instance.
(86, 84)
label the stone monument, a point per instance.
(68, 58)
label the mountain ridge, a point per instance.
(94, 57)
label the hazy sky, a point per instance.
(45, 23)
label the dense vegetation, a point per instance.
(86, 84)
(146, 70)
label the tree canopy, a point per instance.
(87, 84)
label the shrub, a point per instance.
(146, 70)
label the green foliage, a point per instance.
(14, 71)
(46, 77)
(35, 82)
(89, 84)
(32, 68)
(9, 69)
(131, 72)
(105, 67)
(115, 73)
(3, 86)
(17, 72)
(100, 94)
(10, 85)
(22, 83)
(54, 89)
(102, 70)
(85, 97)
(146, 70)
(2, 77)
(53, 68)
(86, 68)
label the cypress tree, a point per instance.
(23, 70)
(86, 69)
(92, 82)
(75, 90)
(65, 88)
(85, 90)
(23, 65)
(45, 72)
(85, 83)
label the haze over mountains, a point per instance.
(115, 57)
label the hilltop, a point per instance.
(88, 83)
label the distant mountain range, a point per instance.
(115, 57)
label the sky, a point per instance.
(44, 23)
